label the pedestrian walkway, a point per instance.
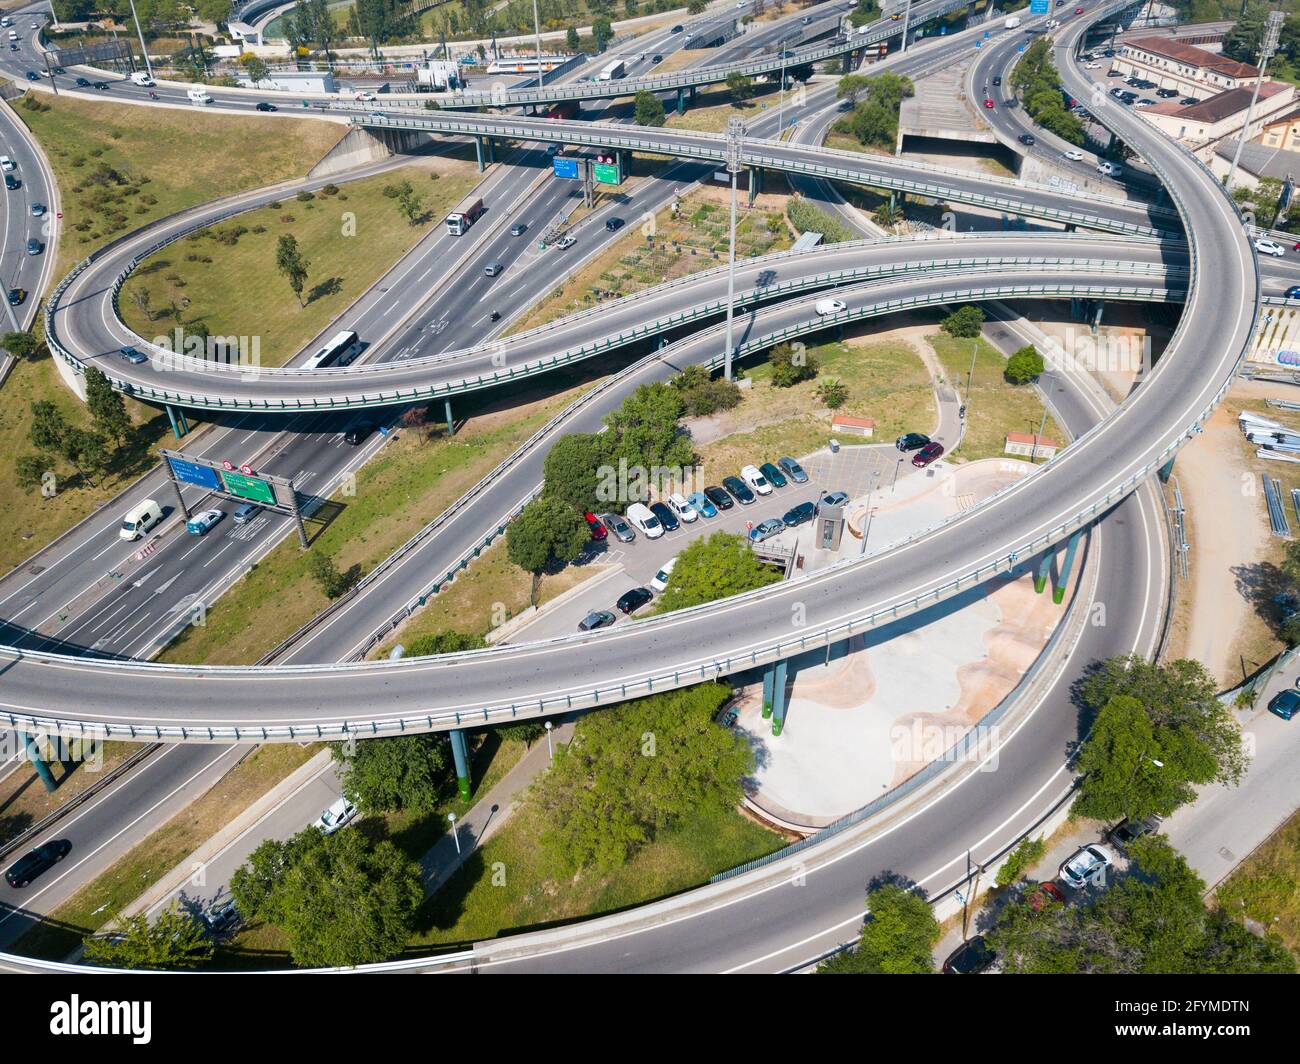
(488, 813)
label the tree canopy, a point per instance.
(898, 937)
(713, 568)
(547, 531)
(174, 940)
(401, 773)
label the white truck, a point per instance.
(1012, 22)
(198, 96)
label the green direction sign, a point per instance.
(253, 488)
(606, 174)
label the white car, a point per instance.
(1109, 169)
(336, 816)
(1269, 247)
(1092, 66)
(827, 307)
(565, 242)
(751, 476)
(1073, 156)
(683, 509)
(6, 164)
(1088, 866)
(660, 581)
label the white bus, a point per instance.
(340, 351)
(613, 71)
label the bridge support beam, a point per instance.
(485, 152)
(1063, 578)
(1096, 318)
(460, 755)
(769, 682)
(1044, 570)
(451, 424)
(1166, 471)
(180, 427)
(38, 762)
(681, 101)
(755, 183)
(778, 696)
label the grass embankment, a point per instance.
(995, 407)
(225, 277)
(160, 852)
(696, 239)
(409, 483)
(24, 799)
(170, 159)
(1266, 886)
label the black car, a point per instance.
(997, 79)
(264, 106)
(33, 863)
(911, 441)
(34, 246)
(518, 229)
(677, 29)
(970, 958)
(719, 498)
(1127, 832)
(739, 489)
(358, 433)
(793, 470)
(633, 600)
(666, 517)
(82, 83)
(16, 296)
(33, 76)
(11, 182)
(613, 225)
(805, 511)
(657, 59)
(102, 86)
(1167, 93)
(1026, 138)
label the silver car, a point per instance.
(620, 528)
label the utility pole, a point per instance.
(735, 147)
(144, 48)
(1267, 47)
(907, 18)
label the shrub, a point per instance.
(791, 363)
(1024, 366)
(832, 393)
(964, 322)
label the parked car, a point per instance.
(202, 523)
(1027, 139)
(221, 918)
(34, 862)
(1128, 831)
(660, 581)
(338, 815)
(245, 513)
(1269, 247)
(631, 601)
(766, 529)
(798, 515)
(621, 529)
(774, 476)
(927, 454)
(640, 516)
(832, 498)
(753, 477)
(1285, 704)
(970, 958)
(1168, 94)
(683, 508)
(1087, 866)
(666, 516)
(1042, 895)
(793, 470)
(598, 530)
(739, 489)
(702, 504)
(596, 619)
(911, 441)
(719, 498)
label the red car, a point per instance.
(927, 454)
(598, 532)
(1078, 11)
(988, 103)
(1044, 895)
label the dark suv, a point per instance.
(359, 433)
(34, 862)
(911, 441)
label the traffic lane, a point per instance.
(109, 825)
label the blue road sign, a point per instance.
(193, 473)
(565, 168)
(1038, 7)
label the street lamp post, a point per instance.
(144, 49)
(735, 146)
(1266, 49)
(454, 836)
(550, 750)
(537, 33)
(907, 19)
(780, 104)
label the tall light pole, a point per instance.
(907, 19)
(140, 33)
(537, 33)
(550, 750)
(1266, 49)
(455, 837)
(735, 147)
(780, 106)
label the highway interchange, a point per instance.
(708, 942)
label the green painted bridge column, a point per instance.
(768, 678)
(38, 762)
(1040, 577)
(681, 101)
(460, 755)
(484, 152)
(778, 696)
(1063, 578)
(180, 427)
(755, 183)
(451, 424)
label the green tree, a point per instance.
(637, 770)
(713, 568)
(22, 345)
(1029, 852)
(107, 406)
(339, 899)
(571, 469)
(644, 434)
(331, 581)
(897, 939)
(571, 38)
(791, 363)
(174, 940)
(704, 394)
(1024, 366)
(255, 67)
(964, 322)
(741, 87)
(289, 260)
(602, 30)
(1149, 713)
(649, 109)
(405, 773)
(546, 531)
(864, 12)
(696, 7)
(30, 470)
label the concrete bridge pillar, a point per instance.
(755, 183)
(180, 427)
(460, 755)
(778, 696)
(451, 424)
(1071, 548)
(38, 762)
(769, 676)
(485, 152)
(681, 101)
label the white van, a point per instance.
(139, 519)
(641, 518)
(142, 79)
(13, 35)
(6, 21)
(683, 509)
(751, 476)
(6, 164)
(660, 581)
(198, 96)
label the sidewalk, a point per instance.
(489, 813)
